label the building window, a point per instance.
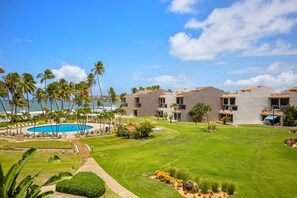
(225, 101)
(274, 101)
(232, 101)
(284, 101)
(234, 108)
(180, 101)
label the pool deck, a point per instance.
(67, 135)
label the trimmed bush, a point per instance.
(204, 186)
(231, 189)
(172, 171)
(183, 174)
(214, 186)
(85, 184)
(224, 186)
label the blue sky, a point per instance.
(174, 43)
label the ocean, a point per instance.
(34, 106)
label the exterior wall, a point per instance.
(250, 105)
(130, 101)
(170, 98)
(208, 95)
(149, 103)
(293, 99)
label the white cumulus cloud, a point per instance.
(239, 28)
(171, 82)
(71, 73)
(278, 76)
(183, 6)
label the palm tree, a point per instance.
(206, 108)
(12, 81)
(112, 97)
(28, 84)
(52, 93)
(91, 82)
(120, 111)
(40, 96)
(99, 70)
(64, 91)
(134, 90)
(48, 74)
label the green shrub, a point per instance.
(183, 174)
(83, 184)
(215, 186)
(144, 130)
(204, 186)
(172, 170)
(224, 186)
(231, 189)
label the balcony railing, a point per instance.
(163, 105)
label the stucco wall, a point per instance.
(209, 95)
(250, 105)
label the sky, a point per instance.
(176, 44)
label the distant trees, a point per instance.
(99, 70)
(154, 87)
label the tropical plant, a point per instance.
(226, 119)
(3, 95)
(47, 75)
(134, 90)
(29, 86)
(25, 188)
(112, 97)
(198, 111)
(40, 96)
(98, 71)
(290, 112)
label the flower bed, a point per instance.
(190, 189)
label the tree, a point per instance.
(47, 75)
(134, 90)
(98, 71)
(120, 111)
(225, 119)
(112, 97)
(25, 188)
(198, 111)
(3, 95)
(29, 86)
(12, 81)
(91, 82)
(40, 97)
(290, 112)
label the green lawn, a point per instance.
(253, 157)
(69, 161)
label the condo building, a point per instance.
(245, 106)
(276, 103)
(142, 103)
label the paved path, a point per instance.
(89, 164)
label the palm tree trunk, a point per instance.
(3, 107)
(28, 102)
(92, 98)
(99, 85)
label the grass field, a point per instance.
(69, 161)
(253, 157)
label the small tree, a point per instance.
(226, 119)
(171, 118)
(198, 111)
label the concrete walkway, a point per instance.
(89, 164)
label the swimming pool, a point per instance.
(60, 128)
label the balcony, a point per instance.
(182, 107)
(162, 105)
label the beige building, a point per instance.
(142, 103)
(245, 106)
(179, 103)
(276, 102)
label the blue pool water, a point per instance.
(60, 128)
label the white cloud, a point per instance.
(238, 28)
(171, 82)
(278, 76)
(71, 73)
(279, 47)
(183, 6)
(19, 40)
(274, 68)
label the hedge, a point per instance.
(85, 184)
